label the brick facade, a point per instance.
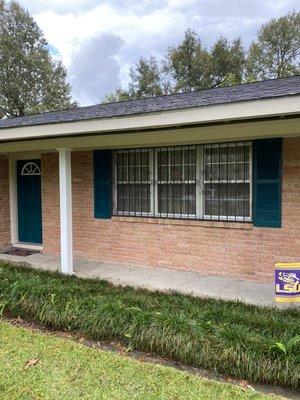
(231, 249)
(5, 238)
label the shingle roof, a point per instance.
(230, 94)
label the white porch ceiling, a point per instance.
(281, 127)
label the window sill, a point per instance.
(185, 222)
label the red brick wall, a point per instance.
(5, 238)
(207, 247)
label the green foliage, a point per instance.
(40, 366)
(191, 66)
(188, 64)
(291, 347)
(276, 51)
(117, 95)
(30, 80)
(229, 337)
(145, 79)
(227, 62)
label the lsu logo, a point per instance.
(287, 282)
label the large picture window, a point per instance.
(196, 182)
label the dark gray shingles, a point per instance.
(230, 94)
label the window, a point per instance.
(133, 181)
(197, 182)
(176, 181)
(31, 169)
(227, 181)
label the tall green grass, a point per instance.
(228, 337)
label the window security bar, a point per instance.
(210, 181)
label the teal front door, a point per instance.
(29, 201)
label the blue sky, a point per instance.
(99, 40)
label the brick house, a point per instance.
(203, 181)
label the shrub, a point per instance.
(228, 337)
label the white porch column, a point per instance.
(66, 226)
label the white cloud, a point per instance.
(67, 31)
(59, 6)
(94, 70)
(145, 27)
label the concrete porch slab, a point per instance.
(161, 279)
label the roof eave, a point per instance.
(244, 110)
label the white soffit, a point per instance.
(199, 115)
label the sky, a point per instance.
(98, 40)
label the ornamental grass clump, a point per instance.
(223, 336)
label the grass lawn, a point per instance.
(228, 337)
(37, 366)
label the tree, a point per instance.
(145, 81)
(276, 51)
(227, 62)
(188, 64)
(30, 80)
(118, 95)
(193, 67)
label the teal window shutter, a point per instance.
(267, 171)
(102, 183)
